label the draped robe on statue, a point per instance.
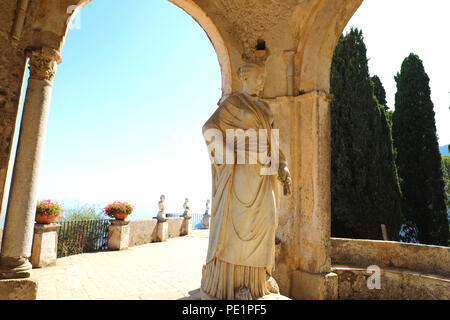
(241, 247)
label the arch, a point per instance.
(319, 37)
(207, 24)
(214, 35)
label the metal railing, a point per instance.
(197, 219)
(75, 237)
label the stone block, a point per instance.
(119, 235)
(45, 245)
(18, 289)
(162, 231)
(142, 231)
(394, 284)
(314, 286)
(175, 227)
(186, 227)
(205, 221)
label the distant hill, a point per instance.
(444, 150)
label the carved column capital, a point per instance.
(43, 63)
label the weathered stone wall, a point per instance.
(395, 284)
(12, 68)
(143, 231)
(175, 226)
(416, 257)
(408, 271)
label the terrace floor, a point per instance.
(167, 270)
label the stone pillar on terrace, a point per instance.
(313, 278)
(21, 210)
(186, 227)
(162, 230)
(45, 245)
(303, 264)
(119, 235)
(206, 220)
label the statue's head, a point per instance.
(252, 74)
(163, 197)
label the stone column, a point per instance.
(162, 229)
(303, 264)
(119, 235)
(313, 278)
(45, 245)
(187, 226)
(205, 221)
(21, 210)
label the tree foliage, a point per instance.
(365, 191)
(446, 177)
(418, 157)
(379, 91)
(80, 212)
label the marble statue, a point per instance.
(186, 207)
(241, 249)
(207, 207)
(161, 207)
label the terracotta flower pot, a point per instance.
(44, 219)
(121, 216)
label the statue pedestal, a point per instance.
(205, 221)
(119, 235)
(45, 245)
(271, 296)
(314, 286)
(186, 227)
(162, 230)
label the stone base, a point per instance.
(314, 286)
(119, 235)
(271, 296)
(162, 231)
(205, 221)
(18, 289)
(15, 267)
(186, 228)
(45, 245)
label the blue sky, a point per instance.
(393, 29)
(137, 83)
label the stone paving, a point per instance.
(167, 270)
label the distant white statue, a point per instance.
(161, 207)
(207, 207)
(186, 207)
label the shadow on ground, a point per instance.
(193, 295)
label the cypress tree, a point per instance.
(379, 91)
(418, 157)
(446, 177)
(364, 185)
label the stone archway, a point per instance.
(298, 40)
(42, 41)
